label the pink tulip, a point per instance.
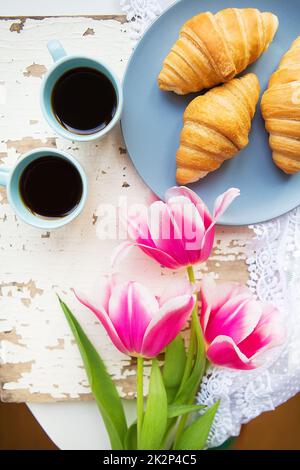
(236, 327)
(177, 233)
(137, 322)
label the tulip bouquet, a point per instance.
(229, 327)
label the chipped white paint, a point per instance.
(39, 360)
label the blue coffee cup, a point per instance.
(64, 63)
(10, 178)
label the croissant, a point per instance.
(212, 49)
(216, 127)
(280, 108)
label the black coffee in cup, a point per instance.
(84, 100)
(51, 186)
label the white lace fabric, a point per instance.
(141, 13)
(274, 276)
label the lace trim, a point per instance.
(140, 13)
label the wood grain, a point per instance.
(39, 359)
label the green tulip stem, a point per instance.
(196, 333)
(192, 346)
(191, 274)
(196, 328)
(140, 398)
(192, 343)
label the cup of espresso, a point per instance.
(46, 188)
(81, 97)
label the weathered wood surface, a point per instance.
(38, 358)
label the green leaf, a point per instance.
(190, 387)
(175, 360)
(179, 410)
(156, 414)
(188, 390)
(102, 386)
(131, 437)
(194, 437)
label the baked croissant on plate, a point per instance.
(216, 127)
(212, 49)
(280, 108)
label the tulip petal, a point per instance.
(224, 352)
(167, 324)
(166, 234)
(131, 308)
(103, 317)
(194, 198)
(99, 298)
(213, 296)
(120, 252)
(207, 243)
(119, 314)
(160, 256)
(221, 205)
(144, 307)
(190, 227)
(153, 232)
(223, 202)
(237, 319)
(268, 333)
(178, 287)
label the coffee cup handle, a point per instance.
(4, 172)
(56, 50)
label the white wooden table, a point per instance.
(26, 383)
(66, 435)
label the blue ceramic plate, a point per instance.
(152, 119)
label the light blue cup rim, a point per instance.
(63, 58)
(25, 214)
